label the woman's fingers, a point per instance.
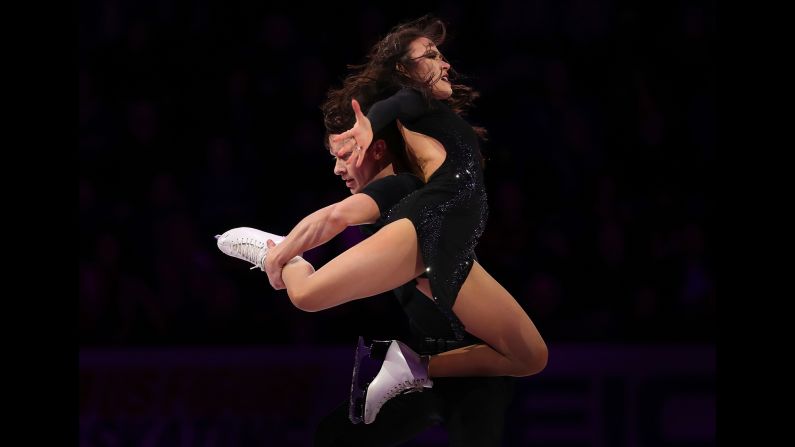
(361, 152)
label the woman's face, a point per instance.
(430, 64)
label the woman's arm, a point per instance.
(406, 105)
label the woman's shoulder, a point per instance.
(408, 93)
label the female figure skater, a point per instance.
(432, 231)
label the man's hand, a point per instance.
(273, 269)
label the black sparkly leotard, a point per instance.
(449, 213)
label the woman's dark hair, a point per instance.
(386, 70)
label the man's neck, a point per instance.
(387, 171)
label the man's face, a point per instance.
(355, 178)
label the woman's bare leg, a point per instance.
(490, 313)
(384, 261)
(391, 258)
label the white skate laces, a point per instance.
(248, 244)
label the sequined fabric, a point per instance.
(450, 211)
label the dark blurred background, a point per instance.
(196, 117)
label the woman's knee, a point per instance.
(304, 297)
(533, 358)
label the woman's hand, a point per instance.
(358, 138)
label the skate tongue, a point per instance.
(217, 236)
